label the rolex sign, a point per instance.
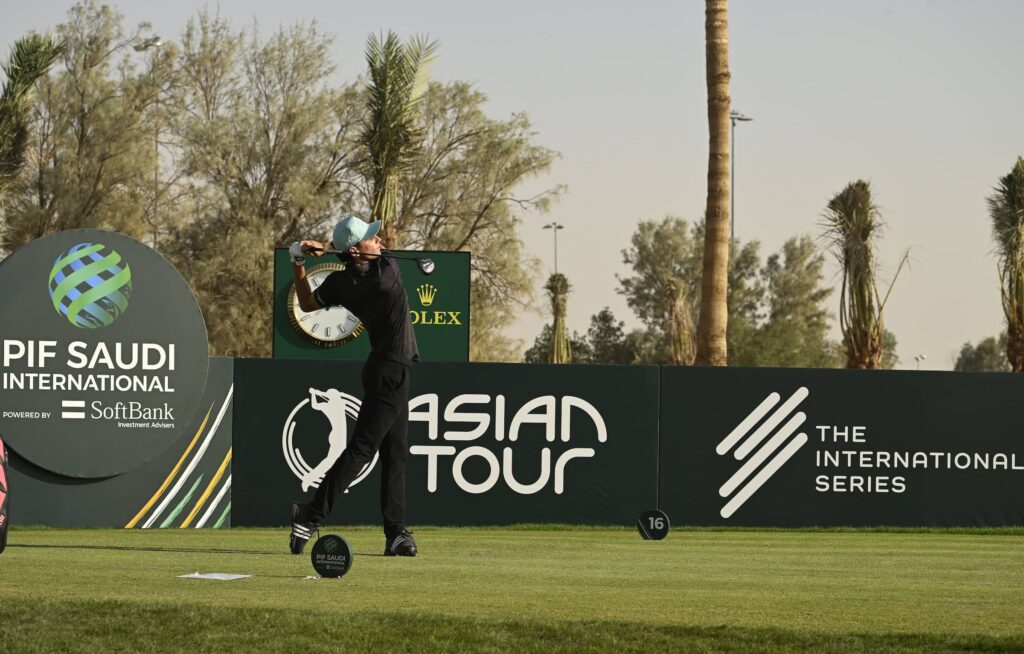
(438, 310)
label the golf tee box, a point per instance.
(439, 309)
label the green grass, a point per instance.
(517, 589)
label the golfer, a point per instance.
(371, 288)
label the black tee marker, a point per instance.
(653, 525)
(332, 556)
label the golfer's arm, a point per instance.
(307, 302)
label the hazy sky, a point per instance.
(921, 97)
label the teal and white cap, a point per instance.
(352, 229)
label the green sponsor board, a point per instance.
(103, 353)
(488, 443)
(438, 306)
(188, 485)
(837, 448)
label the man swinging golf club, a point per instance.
(371, 288)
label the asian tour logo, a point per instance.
(339, 408)
(90, 285)
(752, 475)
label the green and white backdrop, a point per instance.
(115, 416)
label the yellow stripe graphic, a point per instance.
(167, 481)
(209, 489)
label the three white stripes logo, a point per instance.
(72, 404)
(777, 440)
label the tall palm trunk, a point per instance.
(1006, 208)
(680, 325)
(712, 349)
(385, 207)
(558, 291)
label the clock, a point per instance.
(328, 327)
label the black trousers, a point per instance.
(382, 425)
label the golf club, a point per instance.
(426, 266)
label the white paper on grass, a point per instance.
(218, 576)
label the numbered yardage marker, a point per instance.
(332, 556)
(653, 524)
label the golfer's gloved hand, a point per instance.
(297, 254)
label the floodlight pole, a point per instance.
(735, 117)
(554, 227)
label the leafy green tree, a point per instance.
(91, 146)
(605, 341)
(1006, 210)
(29, 60)
(218, 147)
(746, 304)
(777, 315)
(306, 168)
(392, 132)
(540, 351)
(795, 333)
(264, 145)
(463, 193)
(889, 357)
(608, 340)
(663, 288)
(646, 346)
(989, 355)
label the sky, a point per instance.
(921, 97)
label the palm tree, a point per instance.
(30, 58)
(679, 326)
(713, 321)
(390, 133)
(558, 291)
(852, 225)
(1006, 208)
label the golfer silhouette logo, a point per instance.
(338, 407)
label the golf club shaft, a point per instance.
(386, 253)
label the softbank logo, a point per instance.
(75, 407)
(752, 474)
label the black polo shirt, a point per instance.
(375, 295)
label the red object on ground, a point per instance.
(3, 496)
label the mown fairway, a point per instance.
(516, 589)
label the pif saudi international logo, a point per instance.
(778, 449)
(90, 386)
(90, 285)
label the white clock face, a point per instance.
(325, 327)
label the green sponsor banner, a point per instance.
(438, 305)
(832, 448)
(103, 355)
(188, 485)
(488, 443)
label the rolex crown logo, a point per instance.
(426, 293)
